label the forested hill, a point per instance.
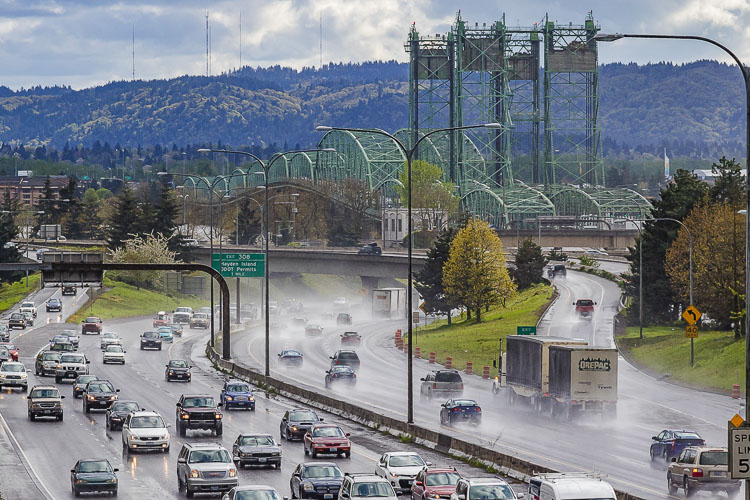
(695, 107)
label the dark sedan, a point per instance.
(370, 249)
(118, 411)
(296, 422)
(290, 357)
(177, 369)
(54, 304)
(670, 443)
(320, 480)
(340, 374)
(79, 386)
(150, 340)
(99, 394)
(460, 410)
(93, 474)
(351, 338)
(256, 449)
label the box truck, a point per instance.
(389, 303)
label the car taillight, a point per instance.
(455, 409)
(434, 385)
(479, 409)
(697, 472)
(462, 386)
(673, 444)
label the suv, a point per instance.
(365, 486)
(313, 330)
(198, 412)
(319, 480)
(99, 394)
(28, 307)
(199, 320)
(441, 383)
(238, 394)
(584, 308)
(62, 347)
(494, 487)
(17, 320)
(205, 467)
(182, 315)
(346, 358)
(344, 319)
(370, 249)
(151, 340)
(4, 333)
(400, 468)
(13, 374)
(46, 362)
(69, 289)
(701, 469)
(92, 324)
(71, 365)
(45, 401)
(145, 430)
(557, 270)
(177, 369)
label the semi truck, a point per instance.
(561, 376)
(389, 303)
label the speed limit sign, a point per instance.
(739, 452)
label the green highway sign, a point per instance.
(239, 265)
(525, 330)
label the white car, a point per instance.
(594, 251)
(28, 307)
(340, 303)
(145, 430)
(490, 488)
(400, 468)
(114, 354)
(108, 339)
(14, 374)
(364, 487)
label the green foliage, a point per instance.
(429, 280)
(126, 219)
(556, 256)
(12, 292)
(730, 185)
(8, 231)
(530, 262)
(588, 261)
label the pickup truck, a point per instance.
(584, 308)
(28, 307)
(182, 314)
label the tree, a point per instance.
(91, 221)
(676, 201)
(475, 274)
(166, 216)
(718, 233)
(729, 184)
(429, 281)
(148, 249)
(530, 264)
(46, 204)
(124, 222)
(250, 221)
(8, 231)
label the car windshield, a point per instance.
(17, 316)
(321, 471)
(405, 461)
(100, 387)
(109, 335)
(714, 458)
(198, 402)
(291, 353)
(9, 346)
(45, 393)
(27, 304)
(327, 432)
(85, 379)
(150, 335)
(373, 490)
(490, 492)
(4, 351)
(3, 328)
(441, 479)
(209, 456)
(124, 406)
(50, 356)
(200, 316)
(150, 421)
(178, 363)
(687, 435)
(60, 338)
(585, 303)
(256, 495)
(8, 367)
(447, 377)
(72, 358)
(114, 348)
(256, 441)
(97, 466)
(91, 319)
(182, 310)
(349, 356)
(297, 416)
(238, 388)
(165, 331)
(350, 334)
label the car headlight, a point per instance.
(112, 398)
(294, 427)
(91, 398)
(165, 436)
(2, 375)
(194, 473)
(171, 372)
(111, 480)
(218, 416)
(232, 472)
(308, 486)
(252, 398)
(80, 481)
(133, 438)
(24, 376)
(229, 398)
(59, 367)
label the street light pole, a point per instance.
(409, 153)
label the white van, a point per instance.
(569, 486)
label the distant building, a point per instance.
(395, 222)
(28, 190)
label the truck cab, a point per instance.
(584, 308)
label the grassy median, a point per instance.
(122, 300)
(12, 293)
(664, 350)
(478, 342)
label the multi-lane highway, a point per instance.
(51, 448)
(616, 447)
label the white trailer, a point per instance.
(389, 303)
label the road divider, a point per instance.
(511, 466)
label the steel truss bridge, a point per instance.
(544, 161)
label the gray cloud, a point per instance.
(88, 42)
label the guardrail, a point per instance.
(512, 466)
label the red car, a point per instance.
(351, 338)
(434, 482)
(92, 324)
(161, 319)
(585, 308)
(12, 349)
(327, 438)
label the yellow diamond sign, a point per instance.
(691, 315)
(737, 420)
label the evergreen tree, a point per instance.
(530, 262)
(46, 204)
(429, 281)
(125, 220)
(90, 220)
(729, 184)
(9, 230)
(166, 217)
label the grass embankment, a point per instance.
(719, 358)
(122, 300)
(12, 293)
(478, 342)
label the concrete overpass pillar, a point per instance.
(368, 285)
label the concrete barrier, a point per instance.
(512, 466)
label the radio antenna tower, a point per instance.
(207, 69)
(133, 52)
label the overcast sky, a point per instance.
(88, 42)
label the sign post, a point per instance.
(526, 330)
(691, 315)
(739, 450)
(239, 265)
